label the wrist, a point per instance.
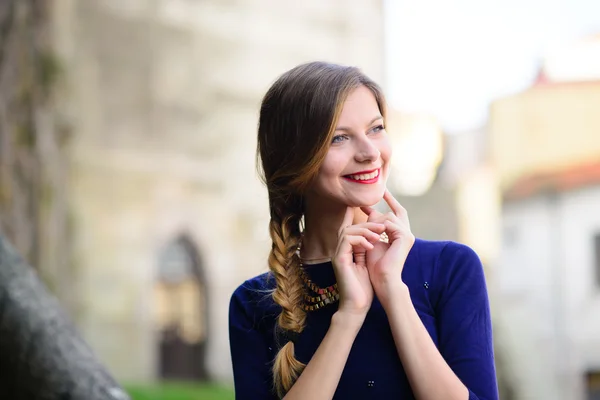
(348, 321)
(396, 296)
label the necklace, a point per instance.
(316, 296)
(320, 296)
(308, 261)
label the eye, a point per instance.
(377, 128)
(339, 138)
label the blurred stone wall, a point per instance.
(162, 97)
(33, 208)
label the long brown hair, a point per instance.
(297, 121)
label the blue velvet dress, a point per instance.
(448, 289)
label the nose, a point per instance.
(366, 151)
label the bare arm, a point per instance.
(321, 376)
(428, 373)
(463, 367)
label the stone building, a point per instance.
(167, 215)
(549, 283)
(545, 150)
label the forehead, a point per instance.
(359, 108)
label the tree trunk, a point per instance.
(41, 354)
(33, 135)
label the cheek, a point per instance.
(386, 149)
(329, 175)
(331, 168)
(386, 145)
(325, 175)
(386, 154)
(325, 178)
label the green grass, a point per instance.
(179, 391)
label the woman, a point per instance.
(354, 307)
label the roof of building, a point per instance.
(562, 180)
(571, 64)
(542, 81)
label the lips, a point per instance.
(364, 177)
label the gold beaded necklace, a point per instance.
(322, 296)
(316, 296)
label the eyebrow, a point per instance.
(343, 128)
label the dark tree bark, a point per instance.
(33, 133)
(41, 354)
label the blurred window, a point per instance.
(175, 264)
(179, 294)
(180, 312)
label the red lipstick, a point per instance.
(352, 177)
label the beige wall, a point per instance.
(542, 290)
(545, 128)
(162, 98)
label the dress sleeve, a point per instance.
(464, 321)
(250, 354)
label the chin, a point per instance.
(365, 201)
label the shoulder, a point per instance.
(255, 290)
(256, 284)
(252, 299)
(457, 272)
(445, 253)
(450, 264)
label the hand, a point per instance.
(350, 264)
(386, 260)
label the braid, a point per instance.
(285, 264)
(298, 117)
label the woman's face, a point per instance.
(356, 168)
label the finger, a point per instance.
(372, 235)
(381, 218)
(392, 217)
(360, 259)
(373, 226)
(354, 244)
(401, 244)
(359, 243)
(393, 230)
(372, 214)
(367, 210)
(348, 219)
(401, 220)
(398, 231)
(394, 205)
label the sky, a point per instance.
(450, 58)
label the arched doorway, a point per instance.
(180, 302)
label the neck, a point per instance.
(322, 224)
